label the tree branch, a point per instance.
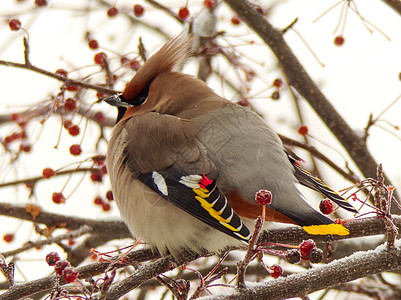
(340, 271)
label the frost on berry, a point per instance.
(276, 271)
(52, 258)
(60, 266)
(263, 197)
(70, 274)
(306, 247)
(326, 206)
(138, 10)
(14, 24)
(315, 255)
(293, 256)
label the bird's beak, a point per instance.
(116, 101)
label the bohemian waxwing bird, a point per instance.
(185, 164)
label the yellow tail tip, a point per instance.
(325, 229)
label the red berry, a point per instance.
(58, 198)
(75, 149)
(40, 2)
(235, 20)
(100, 58)
(138, 10)
(208, 4)
(70, 104)
(275, 95)
(339, 40)
(71, 242)
(134, 64)
(70, 274)
(112, 12)
(306, 247)
(303, 130)
(8, 139)
(15, 117)
(8, 237)
(48, 172)
(276, 271)
(96, 177)
(67, 124)
(93, 44)
(263, 197)
(99, 117)
(100, 95)
(326, 206)
(73, 130)
(109, 196)
(52, 258)
(243, 102)
(14, 24)
(106, 206)
(98, 200)
(72, 88)
(183, 13)
(277, 83)
(60, 266)
(25, 148)
(62, 72)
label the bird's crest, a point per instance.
(169, 58)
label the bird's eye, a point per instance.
(142, 100)
(142, 95)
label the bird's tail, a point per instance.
(305, 178)
(312, 221)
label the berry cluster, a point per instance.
(18, 135)
(307, 251)
(62, 267)
(103, 203)
(277, 84)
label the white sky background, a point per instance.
(359, 78)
